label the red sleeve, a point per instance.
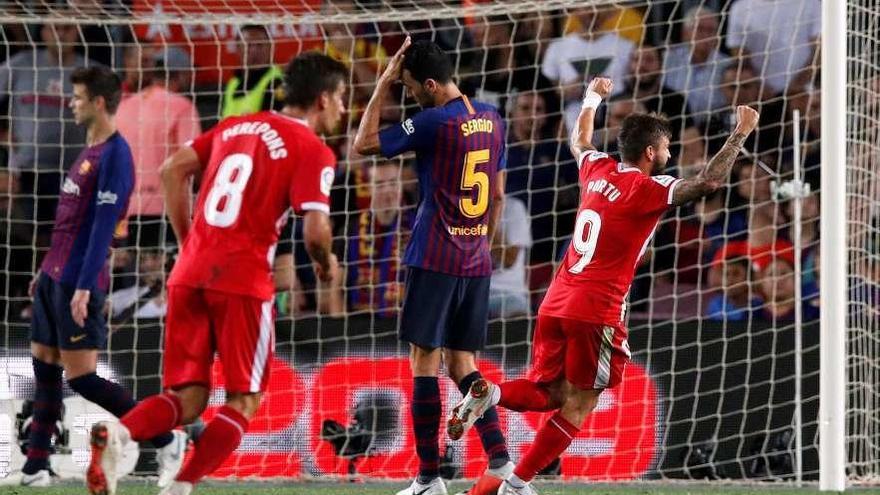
(588, 161)
(654, 194)
(312, 180)
(202, 145)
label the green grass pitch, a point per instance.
(342, 488)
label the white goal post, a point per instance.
(833, 365)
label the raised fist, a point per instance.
(746, 118)
(602, 86)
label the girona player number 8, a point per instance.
(229, 183)
(585, 247)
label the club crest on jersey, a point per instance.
(121, 230)
(70, 187)
(85, 167)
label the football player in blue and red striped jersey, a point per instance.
(68, 328)
(459, 149)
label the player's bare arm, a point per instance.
(366, 141)
(497, 203)
(318, 237)
(715, 174)
(582, 134)
(176, 173)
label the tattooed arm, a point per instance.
(715, 174)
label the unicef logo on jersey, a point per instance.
(327, 176)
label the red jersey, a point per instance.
(619, 211)
(256, 167)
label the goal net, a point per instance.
(863, 241)
(713, 390)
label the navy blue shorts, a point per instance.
(442, 310)
(52, 322)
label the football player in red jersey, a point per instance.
(254, 169)
(580, 344)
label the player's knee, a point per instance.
(78, 365)
(193, 402)
(190, 411)
(424, 362)
(557, 399)
(46, 354)
(558, 391)
(581, 402)
(246, 404)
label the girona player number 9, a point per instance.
(591, 222)
(229, 183)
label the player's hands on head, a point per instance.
(392, 70)
(79, 306)
(601, 86)
(746, 118)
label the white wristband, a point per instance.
(592, 100)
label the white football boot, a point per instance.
(170, 458)
(435, 487)
(482, 395)
(108, 441)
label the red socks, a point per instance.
(161, 413)
(550, 442)
(153, 416)
(220, 438)
(524, 395)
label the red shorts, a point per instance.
(200, 322)
(588, 355)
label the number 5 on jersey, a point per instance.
(229, 183)
(471, 178)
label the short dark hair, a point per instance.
(640, 130)
(426, 60)
(100, 81)
(310, 74)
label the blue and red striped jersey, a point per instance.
(459, 150)
(375, 278)
(91, 210)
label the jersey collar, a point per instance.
(288, 117)
(625, 168)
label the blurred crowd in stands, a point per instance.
(729, 257)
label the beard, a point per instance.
(658, 167)
(424, 99)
